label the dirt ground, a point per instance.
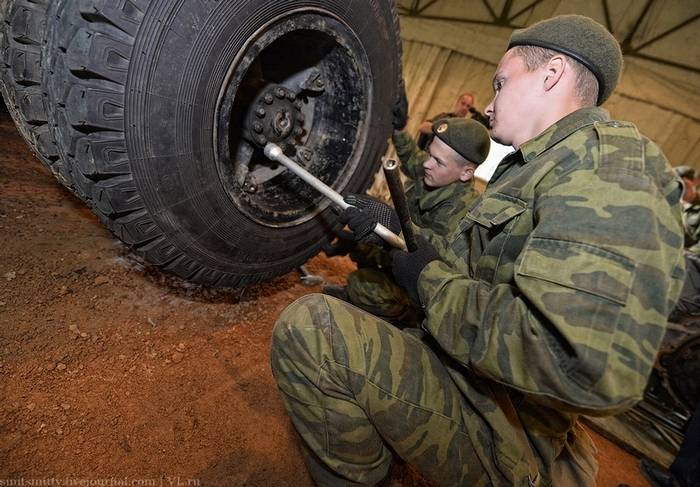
(114, 374)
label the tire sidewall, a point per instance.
(180, 58)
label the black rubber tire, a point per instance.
(22, 36)
(132, 91)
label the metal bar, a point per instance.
(664, 34)
(606, 12)
(666, 62)
(398, 196)
(466, 21)
(274, 153)
(628, 38)
(505, 12)
(491, 11)
(427, 6)
(523, 10)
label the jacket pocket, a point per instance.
(495, 210)
(581, 290)
(580, 267)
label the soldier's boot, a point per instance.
(657, 476)
(340, 292)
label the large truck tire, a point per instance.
(159, 110)
(22, 36)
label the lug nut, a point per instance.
(261, 139)
(281, 93)
(260, 112)
(298, 104)
(291, 96)
(268, 99)
(258, 127)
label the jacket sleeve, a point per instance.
(410, 156)
(579, 325)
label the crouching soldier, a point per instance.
(442, 190)
(572, 262)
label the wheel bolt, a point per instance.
(258, 127)
(291, 96)
(281, 93)
(260, 112)
(268, 99)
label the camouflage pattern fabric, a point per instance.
(374, 290)
(357, 388)
(691, 226)
(560, 280)
(434, 212)
(562, 275)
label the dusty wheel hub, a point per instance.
(275, 116)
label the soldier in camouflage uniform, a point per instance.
(691, 208)
(443, 189)
(689, 302)
(553, 304)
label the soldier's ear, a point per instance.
(467, 173)
(553, 71)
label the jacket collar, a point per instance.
(560, 130)
(429, 199)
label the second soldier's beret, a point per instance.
(465, 136)
(684, 172)
(582, 39)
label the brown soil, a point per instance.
(110, 370)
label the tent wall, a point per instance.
(443, 59)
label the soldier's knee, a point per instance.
(299, 319)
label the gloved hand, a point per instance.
(407, 266)
(363, 216)
(400, 109)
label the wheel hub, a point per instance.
(275, 116)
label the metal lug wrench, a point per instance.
(274, 153)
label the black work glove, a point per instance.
(363, 216)
(407, 266)
(341, 246)
(400, 110)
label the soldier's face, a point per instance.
(463, 105)
(514, 106)
(690, 191)
(442, 167)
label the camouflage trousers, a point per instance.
(358, 389)
(374, 290)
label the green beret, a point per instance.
(582, 39)
(685, 172)
(465, 136)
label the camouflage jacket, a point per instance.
(435, 211)
(559, 282)
(691, 226)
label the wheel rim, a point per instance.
(302, 82)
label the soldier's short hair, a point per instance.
(470, 95)
(586, 83)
